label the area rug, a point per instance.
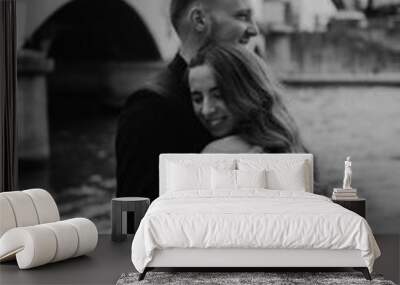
(244, 278)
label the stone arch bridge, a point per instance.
(33, 15)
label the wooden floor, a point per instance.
(110, 260)
(389, 262)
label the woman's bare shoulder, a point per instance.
(231, 144)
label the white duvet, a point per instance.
(250, 219)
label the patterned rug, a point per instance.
(244, 278)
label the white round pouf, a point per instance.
(87, 233)
(45, 205)
(23, 208)
(7, 218)
(33, 246)
(67, 240)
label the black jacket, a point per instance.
(156, 119)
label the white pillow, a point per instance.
(251, 178)
(183, 177)
(281, 174)
(193, 174)
(223, 179)
(237, 179)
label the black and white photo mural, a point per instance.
(86, 134)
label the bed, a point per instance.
(246, 211)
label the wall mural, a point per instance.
(340, 84)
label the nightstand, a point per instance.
(358, 206)
(120, 207)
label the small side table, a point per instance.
(137, 205)
(358, 206)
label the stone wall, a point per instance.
(366, 51)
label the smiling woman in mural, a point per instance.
(235, 97)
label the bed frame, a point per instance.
(242, 259)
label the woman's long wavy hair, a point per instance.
(253, 95)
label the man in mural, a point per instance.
(159, 117)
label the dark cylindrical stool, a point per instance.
(119, 207)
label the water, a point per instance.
(363, 122)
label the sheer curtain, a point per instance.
(8, 78)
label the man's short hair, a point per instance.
(177, 9)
